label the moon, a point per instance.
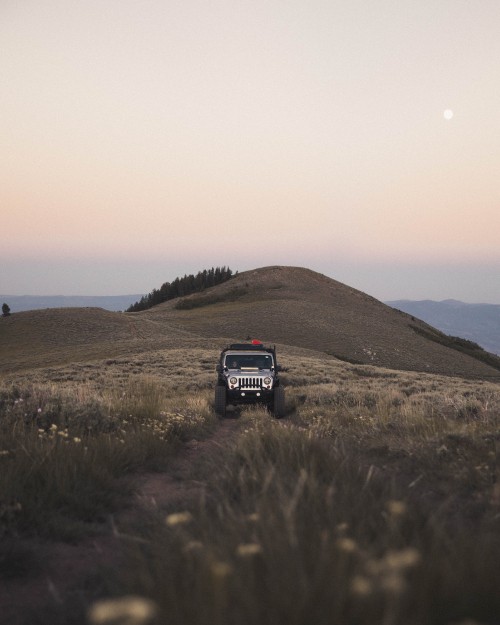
(448, 114)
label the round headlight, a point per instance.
(232, 380)
(267, 380)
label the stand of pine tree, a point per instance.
(183, 286)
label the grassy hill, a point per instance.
(57, 336)
(296, 306)
(286, 305)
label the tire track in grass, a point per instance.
(159, 491)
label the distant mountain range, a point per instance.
(475, 322)
(18, 303)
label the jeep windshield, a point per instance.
(247, 362)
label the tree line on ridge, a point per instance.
(183, 286)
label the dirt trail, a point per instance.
(56, 572)
(157, 491)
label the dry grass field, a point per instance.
(374, 501)
(124, 499)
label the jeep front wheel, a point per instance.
(279, 402)
(220, 400)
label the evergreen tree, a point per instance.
(5, 310)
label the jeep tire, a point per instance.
(279, 402)
(220, 400)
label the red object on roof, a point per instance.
(256, 342)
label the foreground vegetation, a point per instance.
(375, 500)
(63, 452)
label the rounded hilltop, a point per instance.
(300, 307)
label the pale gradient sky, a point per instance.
(146, 139)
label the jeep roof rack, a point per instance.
(245, 346)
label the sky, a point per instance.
(145, 139)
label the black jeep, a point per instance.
(248, 373)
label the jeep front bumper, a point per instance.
(249, 396)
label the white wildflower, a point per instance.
(129, 610)
(348, 545)
(178, 518)
(246, 550)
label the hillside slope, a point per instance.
(57, 336)
(475, 322)
(285, 305)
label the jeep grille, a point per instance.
(250, 383)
